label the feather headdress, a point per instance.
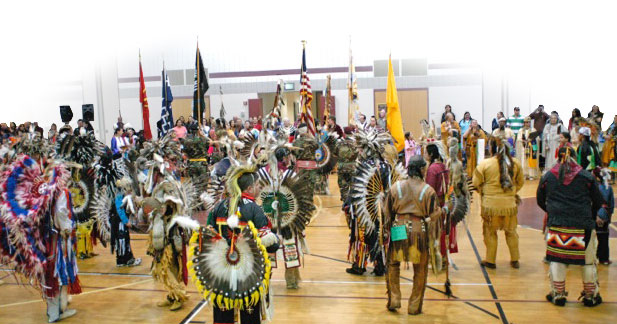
(233, 189)
(165, 147)
(371, 142)
(35, 146)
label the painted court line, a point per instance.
(378, 283)
(82, 294)
(502, 314)
(427, 286)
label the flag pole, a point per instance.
(165, 84)
(141, 76)
(350, 117)
(198, 84)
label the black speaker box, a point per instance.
(66, 114)
(87, 112)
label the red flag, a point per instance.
(143, 98)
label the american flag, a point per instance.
(307, 97)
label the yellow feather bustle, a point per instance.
(218, 299)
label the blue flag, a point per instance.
(167, 117)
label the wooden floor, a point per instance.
(329, 295)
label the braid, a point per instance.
(506, 167)
(564, 159)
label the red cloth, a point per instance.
(452, 241)
(568, 177)
(143, 98)
(437, 177)
(247, 196)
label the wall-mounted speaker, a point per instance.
(87, 112)
(66, 114)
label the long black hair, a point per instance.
(433, 153)
(415, 166)
(567, 136)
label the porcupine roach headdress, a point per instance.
(164, 147)
(33, 146)
(372, 142)
(84, 149)
(233, 189)
(230, 276)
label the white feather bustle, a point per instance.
(233, 221)
(269, 239)
(238, 145)
(184, 222)
(206, 198)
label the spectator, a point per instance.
(576, 113)
(119, 124)
(192, 126)
(132, 138)
(516, 121)
(597, 117)
(362, 123)
(539, 117)
(119, 144)
(495, 123)
(80, 130)
(372, 126)
(180, 130)
(257, 123)
(13, 128)
(381, 122)
(37, 129)
(447, 109)
(52, 134)
(334, 128)
(465, 122)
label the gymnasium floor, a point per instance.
(329, 295)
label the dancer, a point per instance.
(412, 219)
(37, 230)
(288, 203)
(372, 180)
(438, 177)
(498, 180)
(227, 256)
(346, 164)
(570, 196)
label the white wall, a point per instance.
(365, 102)
(461, 98)
(234, 104)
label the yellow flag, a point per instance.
(393, 117)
